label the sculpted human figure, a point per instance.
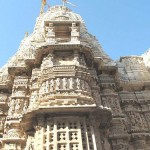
(51, 85)
(57, 83)
(25, 106)
(43, 88)
(87, 87)
(82, 60)
(18, 106)
(51, 61)
(76, 60)
(12, 107)
(31, 147)
(71, 84)
(82, 85)
(47, 87)
(78, 82)
(31, 51)
(64, 83)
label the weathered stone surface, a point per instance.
(62, 92)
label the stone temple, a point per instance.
(61, 91)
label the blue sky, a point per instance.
(121, 26)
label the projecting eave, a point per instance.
(104, 114)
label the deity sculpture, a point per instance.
(57, 83)
(64, 80)
(71, 83)
(51, 85)
(78, 82)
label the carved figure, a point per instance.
(43, 88)
(71, 83)
(64, 83)
(82, 60)
(31, 146)
(11, 107)
(87, 87)
(76, 59)
(51, 61)
(78, 82)
(82, 85)
(57, 83)
(25, 106)
(18, 106)
(51, 85)
(47, 87)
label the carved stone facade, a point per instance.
(62, 92)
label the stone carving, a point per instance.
(33, 101)
(18, 106)
(71, 83)
(50, 33)
(65, 84)
(74, 32)
(121, 147)
(47, 87)
(11, 107)
(61, 91)
(57, 83)
(25, 107)
(78, 82)
(3, 97)
(135, 120)
(51, 85)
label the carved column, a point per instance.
(14, 136)
(119, 138)
(34, 89)
(118, 135)
(3, 112)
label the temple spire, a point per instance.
(26, 34)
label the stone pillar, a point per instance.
(14, 137)
(119, 138)
(3, 112)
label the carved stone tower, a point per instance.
(62, 92)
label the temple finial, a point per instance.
(26, 34)
(44, 2)
(66, 1)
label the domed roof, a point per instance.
(57, 13)
(61, 13)
(34, 41)
(64, 14)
